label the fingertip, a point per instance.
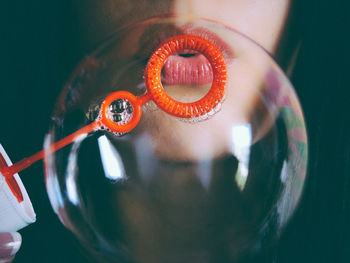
(9, 245)
(17, 241)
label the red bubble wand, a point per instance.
(154, 91)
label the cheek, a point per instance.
(263, 21)
(96, 20)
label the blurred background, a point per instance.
(40, 47)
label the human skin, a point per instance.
(262, 21)
(9, 245)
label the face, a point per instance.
(185, 151)
(263, 21)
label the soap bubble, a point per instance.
(215, 188)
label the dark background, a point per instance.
(39, 51)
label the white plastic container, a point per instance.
(14, 215)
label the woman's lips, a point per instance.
(181, 68)
(187, 70)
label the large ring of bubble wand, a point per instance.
(155, 92)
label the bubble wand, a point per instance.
(112, 113)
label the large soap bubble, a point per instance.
(212, 188)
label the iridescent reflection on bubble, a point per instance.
(214, 190)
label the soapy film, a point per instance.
(241, 172)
